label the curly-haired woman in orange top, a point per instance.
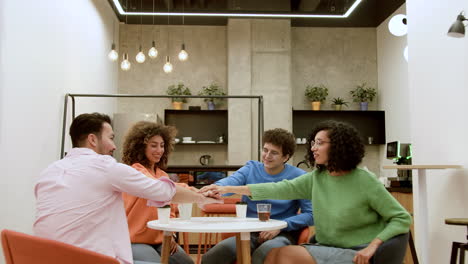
(146, 148)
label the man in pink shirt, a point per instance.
(79, 198)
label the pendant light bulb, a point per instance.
(168, 66)
(183, 55)
(153, 52)
(140, 57)
(113, 55)
(125, 65)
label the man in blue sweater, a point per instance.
(278, 146)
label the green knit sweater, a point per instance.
(349, 210)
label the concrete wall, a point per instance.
(438, 83)
(44, 55)
(339, 58)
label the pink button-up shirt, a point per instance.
(79, 201)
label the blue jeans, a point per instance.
(150, 254)
(225, 251)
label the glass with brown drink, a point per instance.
(264, 211)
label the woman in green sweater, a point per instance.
(354, 213)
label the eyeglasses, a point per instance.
(317, 143)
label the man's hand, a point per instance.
(174, 247)
(267, 235)
(363, 256)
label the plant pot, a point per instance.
(315, 106)
(338, 107)
(364, 106)
(177, 105)
(211, 105)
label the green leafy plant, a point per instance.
(179, 89)
(339, 101)
(363, 93)
(212, 89)
(316, 93)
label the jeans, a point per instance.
(225, 251)
(146, 254)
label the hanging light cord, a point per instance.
(152, 30)
(168, 28)
(141, 22)
(183, 21)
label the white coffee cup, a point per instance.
(164, 215)
(241, 210)
(185, 211)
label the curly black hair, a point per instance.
(137, 138)
(346, 146)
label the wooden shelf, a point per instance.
(201, 125)
(370, 124)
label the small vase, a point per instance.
(364, 106)
(211, 105)
(315, 106)
(177, 105)
(338, 107)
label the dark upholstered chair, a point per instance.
(391, 251)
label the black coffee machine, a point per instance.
(400, 153)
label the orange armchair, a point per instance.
(20, 248)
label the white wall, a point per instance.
(47, 49)
(393, 86)
(438, 82)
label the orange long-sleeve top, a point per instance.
(138, 213)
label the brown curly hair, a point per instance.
(137, 138)
(281, 138)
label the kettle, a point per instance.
(205, 160)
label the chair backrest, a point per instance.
(20, 248)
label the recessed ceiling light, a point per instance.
(244, 15)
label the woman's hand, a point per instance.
(215, 190)
(363, 256)
(204, 200)
(212, 190)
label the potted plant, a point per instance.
(179, 89)
(363, 94)
(338, 103)
(316, 94)
(212, 89)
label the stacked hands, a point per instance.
(210, 195)
(212, 191)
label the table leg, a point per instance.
(245, 246)
(166, 247)
(421, 216)
(238, 248)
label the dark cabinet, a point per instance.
(370, 124)
(201, 125)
